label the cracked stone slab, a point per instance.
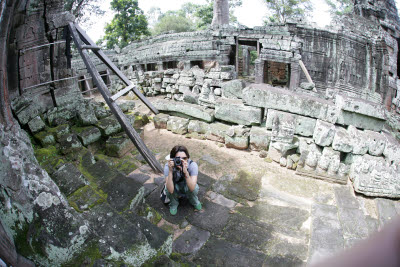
(345, 198)
(190, 241)
(247, 232)
(221, 200)
(69, 178)
(218, 252)
(121, 191)
(154, 235)
(139, 177)
(326, 232)
(191, 110)
(287, 219)
(212, 217)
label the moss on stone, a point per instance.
(125, 165)
(48, 158)
(45, 138)
(168, 228)
(87, 257)
(86, 198)
(269, 160)
(151, 214)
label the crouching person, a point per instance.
(181, 179)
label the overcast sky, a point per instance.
(252, 13)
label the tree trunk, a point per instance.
(221, 13)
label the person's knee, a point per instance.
(195, 190)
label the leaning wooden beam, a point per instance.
(122, 92)
(114, 68)
(306, 73)
(115, 109)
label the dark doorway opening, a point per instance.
(248, 52)
(198, 63)
(170, 65)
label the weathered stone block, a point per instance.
(232, 89)
(233, 110)
(260, 138)
(68, 178)
(99, 110)
(359, 141)
(86, 116)
(342, 141)
(200, 127)
(126, 105)
(109, 126)
(237, 142)
(59, 115)
(45, 138)
(329, 161)
(192, 110)
(70, 143)
(160, 121)
(186, 81)
(118, 146)
(376, 143)
(217, 131)
(374, 176)
(177, 125)
(392, 149)
(36, 124)
(87, 135)
(282, 124)
(324, 133)
(266, 96)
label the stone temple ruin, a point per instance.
(65, 196)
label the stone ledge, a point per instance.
(191, 110)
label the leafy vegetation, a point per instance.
(340, 7)
(282, 10)
(129, 24)
(84, 9)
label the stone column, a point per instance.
(246, 61)
(294, 75)
(259, 70)
(160, 66)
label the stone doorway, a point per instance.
(247, 51)
(276, 73)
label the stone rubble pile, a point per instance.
(325, 139)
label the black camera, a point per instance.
(177, 173)
(177, 161)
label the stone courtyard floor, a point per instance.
(257, 213)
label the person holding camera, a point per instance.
(181, 179)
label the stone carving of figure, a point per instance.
(205, 91)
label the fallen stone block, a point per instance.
(200, 127)
(324, 133)
(304, 126)
(260, 138)
(126, 105)
(191, 110)
(45, 138)
(87, 135)
(118, 146)
(160, 121)
(232, 89)
(177, 125)
(109, 126)
(36, 124)
(59, 115)
(266, 96)
(217, 131)
(374, 176)
(282, 124)
(376, 143)
(86, 116)
(359, 140)
(392, 149)
(342, 141)
(70, 143)
(69, 179)
(237, 142)
(234, 111)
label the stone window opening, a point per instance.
(151, 67)
(277, 73)
(170, 65)
(198, 63)
(105, 76)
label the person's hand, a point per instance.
(171, 164)
(185, 166)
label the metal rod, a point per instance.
(38, 46)
(59, 80)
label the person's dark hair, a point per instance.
(177, 149)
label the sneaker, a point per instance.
(198, 206)
(173, 211)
